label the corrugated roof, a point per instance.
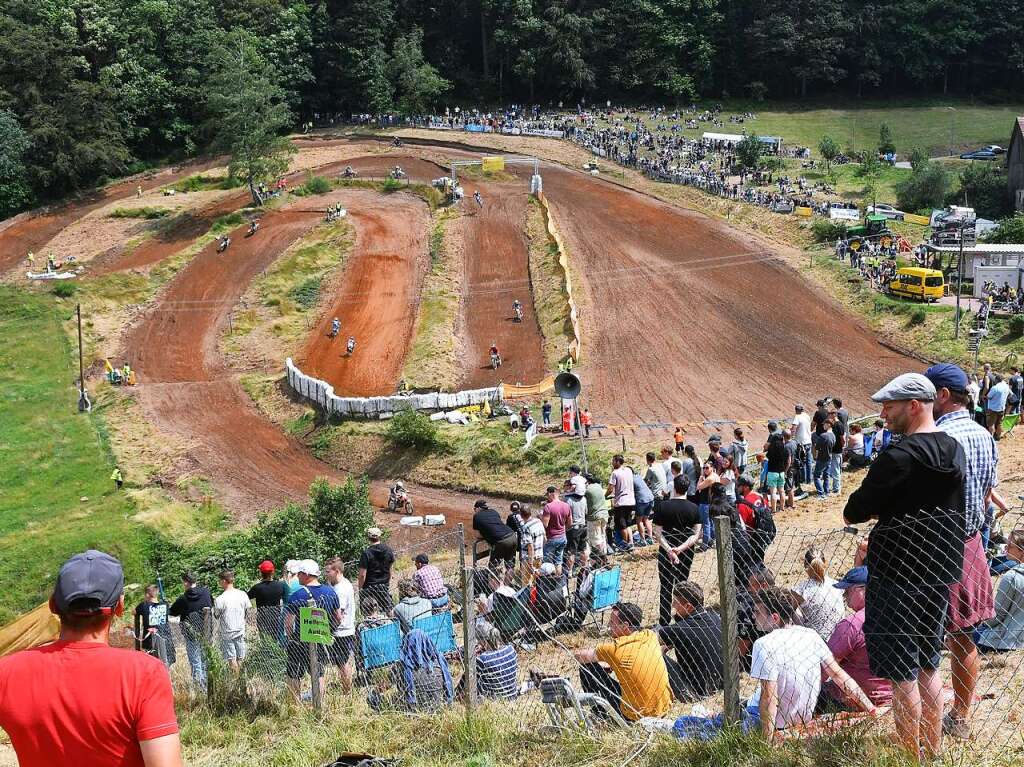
(981, 247)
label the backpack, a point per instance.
(764, 522)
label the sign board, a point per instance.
(802, 211)
(158, 614)
(913, 218)
(844, 214)
(314, 626)
(493, 164)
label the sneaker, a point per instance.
(650, 541)
(800, 496)
(955, 727)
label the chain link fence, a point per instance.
(679, 636)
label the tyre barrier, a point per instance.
(322, 395)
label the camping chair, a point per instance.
(1009, 421)
(380, 646)
(869, 445)
(560, 698)
(607, 587)
(441, 631)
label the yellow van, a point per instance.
(915, 282)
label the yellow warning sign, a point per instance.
(493, 164)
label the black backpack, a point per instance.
(764, 522)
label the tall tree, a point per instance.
(14, 145)
(247, 111)
(417, 84)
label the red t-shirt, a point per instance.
(746, 512)
(84, 704)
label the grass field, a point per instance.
(56, 496)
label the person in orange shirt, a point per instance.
(567, 420)
(585, 422)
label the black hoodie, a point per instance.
(189, 607)
(915, 489)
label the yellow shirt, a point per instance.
(640, 668)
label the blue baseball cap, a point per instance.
(947, 375)
(858, 576)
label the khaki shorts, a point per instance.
(596, 536)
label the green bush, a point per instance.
(148, 213)
(392, 185)
(409, 428)
(64, 288)
(825, 230)
(925, 187)
(918, 317)
(1017, 325)
(314, 185)
(306, 293)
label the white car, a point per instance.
(995, 148)
(881, 209)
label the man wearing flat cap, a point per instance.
(915, 489)
(971, 601)
(79, 701)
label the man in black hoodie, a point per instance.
(915, 490)
(191, 607)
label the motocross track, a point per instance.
(31, 231)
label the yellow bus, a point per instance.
(917, 283)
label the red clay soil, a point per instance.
(379, 294)
(31, 231)
(687, 320)
(497, 272)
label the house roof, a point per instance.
(981, 248)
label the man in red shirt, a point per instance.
(80, 701)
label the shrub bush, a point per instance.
(825, 230)
(1017, 325)
(918, 317)
(314, 185)
(306, 293)
(409, 428)
(147, 213)
(64, 288)
(392, 185)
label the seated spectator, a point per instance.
(549, 595)
(761, 577)
(848, 648)
(497, 668)
(788, 663)
(373, 614)
(500, 582)
(411, 605)
(822, 606)
(430, 584)
(421, 680)
(640, 684)
(853, 452)
(1006, 630)
(696, 638)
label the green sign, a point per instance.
(314, 626)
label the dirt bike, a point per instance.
(253, 228)
(349, 173)
(495, 361)
(518, 312)
(350, 346)
(397, 174)
(223, 244)
(396, 142)
(334, 331)
(401, 502)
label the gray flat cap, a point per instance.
(906, 386)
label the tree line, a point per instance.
(94, 88)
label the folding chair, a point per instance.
(559, 697)
(1009, 421)
(441, 631)
(607, 587)
(380, 645)
(509, 615)
(869, 445)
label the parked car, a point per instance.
(995, 148)
(883, 209)
(979, 154)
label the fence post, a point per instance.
(730, 650)
(206, 649)
(314, 669)
(468, 625)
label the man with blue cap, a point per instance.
(970, 599)
(915, 489)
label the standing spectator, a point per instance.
(567, 420)
(499, 537)
(708, 479)
(727, 478)
(644, 505)
(677, 525)
(429, 582)
(842, 414)
(715, 456)
(822, 606)
(557, 517)
(986, 383)
(915, 489)
(230, 609)
(692, 471)
(152, 631)
(995, 406)
(848, 647)
(576, 534)
(597, 516)
(79, 701)
(655, 476)
(1016, 384)
(311, 593)
(269, 595)
(343, 649)
(802, 435)
(545, 413)
(823, 458)
(291, 577)
(835, 464)
(739, 450)
(620, 490)
(777, 458)
(375, 569)
(677, 437)
(794, 468)
(586, 421)
(819, 417)
(192, 607)
(666, 465)
(531, 554)
(970, 599)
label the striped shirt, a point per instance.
(497, 673)
(982, 461)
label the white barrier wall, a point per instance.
(322, 393)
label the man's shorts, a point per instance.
(623, 516)
(970, 599)
(596, 534)
(644, 509)
(297, 665)
(233, 649)
(904, 628)
(576, 541)
(554, 551)
(775, 479)
(343, 649)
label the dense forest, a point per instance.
(90, 88)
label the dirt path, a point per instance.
(380, 290)
(31, 231)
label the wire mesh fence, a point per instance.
(680, 636)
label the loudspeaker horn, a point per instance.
(567, 386)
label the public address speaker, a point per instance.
(567, 386)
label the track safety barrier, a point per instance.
(574, 317)
(322, 394)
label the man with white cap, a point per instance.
(311, 593)
(79, 701)
(915, 489)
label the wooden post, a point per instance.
(468, 629)
(314, 669)
(730, 650)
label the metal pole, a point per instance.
(959, 282)
(83, 399)
(469, 638)
(314, 669)
(730, 650)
